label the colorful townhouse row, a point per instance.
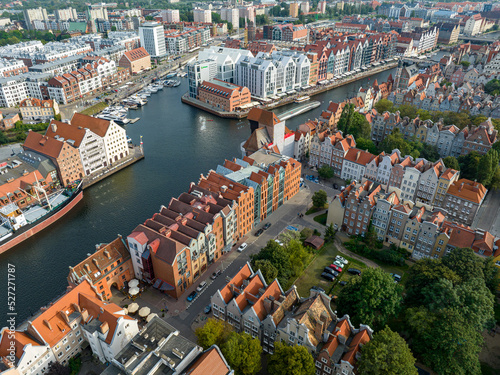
(173, 248)
(423, 231)
(449, 139)
(270, 314)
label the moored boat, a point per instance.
(18, 225)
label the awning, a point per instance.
(166, 286)
(157, 283)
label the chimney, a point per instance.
(64, 316)
(46, 322)
(223, 188)
(76, 307)
(53, 126)
(104, 327)
(87, 267)
(85, 315)
(107, 254)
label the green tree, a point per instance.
(396, 140)
(387, 353)
(290, 360)
(242, 352)
(345, 118)
(366, 144)
(465, 64)
(3, 138)
(492, 87)
(359, 126)
(325, 171)
(319, 199)
(445, 340)
(407, 110)
(491, 272)
(279, 258)
(370, 299)
(298, 256)
(384, 105)
(424, 114)
(229, 26)
(488, 164)
(469, 165)
(464, 263)
(329, 233)
(214, 332)
(451, 162)
(268, 270)
(216, 18)
(425, 272)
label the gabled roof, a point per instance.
(96, 125)
(45, 145)
(62, 131)
(263, 117)
(210, 362)
(469, 190)
(136, 54)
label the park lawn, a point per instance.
(96, 108)
(321, 218)
(313, 209)
(312, 274)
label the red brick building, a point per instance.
(223, 95)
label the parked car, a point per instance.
(335, 186)
(215, 274)
(202, 285)
(327, 276)
(396, 277)
(242, 247)
(207, 309)
(266, 226)
(191, 296)
(354, 271)
(331, 271)
(343, 283)
(339, 264)
(341, 259)
(318, 289)
(259, 232)
(335, 267)
(279, 242)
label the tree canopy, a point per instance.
(214, 332)
(242, 352)
(354, 123)
(319, 199)
(384, 105)
(371, 298)
(387, 353)
(290, 360)
(325, 171)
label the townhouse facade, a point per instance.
(33, 109)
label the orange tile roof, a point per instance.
(65, 131)
(469, 190)
(237, 281)
(43, 144)
(97, 125)
(358, 156)
(211, 362)
(20, 339)
(272, 290)
(361, 338)
(59, 328)
(136, 54)
(262, 116)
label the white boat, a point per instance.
(302, 99)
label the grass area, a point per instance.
(96, 108)
(312, 274)
(345, 276)
(321, 218)
(313, 209)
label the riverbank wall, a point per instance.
(135, 155)
(290, 98)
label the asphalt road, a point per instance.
(488, 216)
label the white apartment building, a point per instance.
(199, 71)
(12, 91)
(202, 15)
(409, 183)
(32, 357)
(113, 135)
(231, 15)
(66, 14)
(37, 14)
(153, 39)
(226, 60)
(11, 67)
(170, 15)
(301, 67)
(305, 7)
(473, 25)
(258, 74)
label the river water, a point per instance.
(180, 144)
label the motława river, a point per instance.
(180, 144)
